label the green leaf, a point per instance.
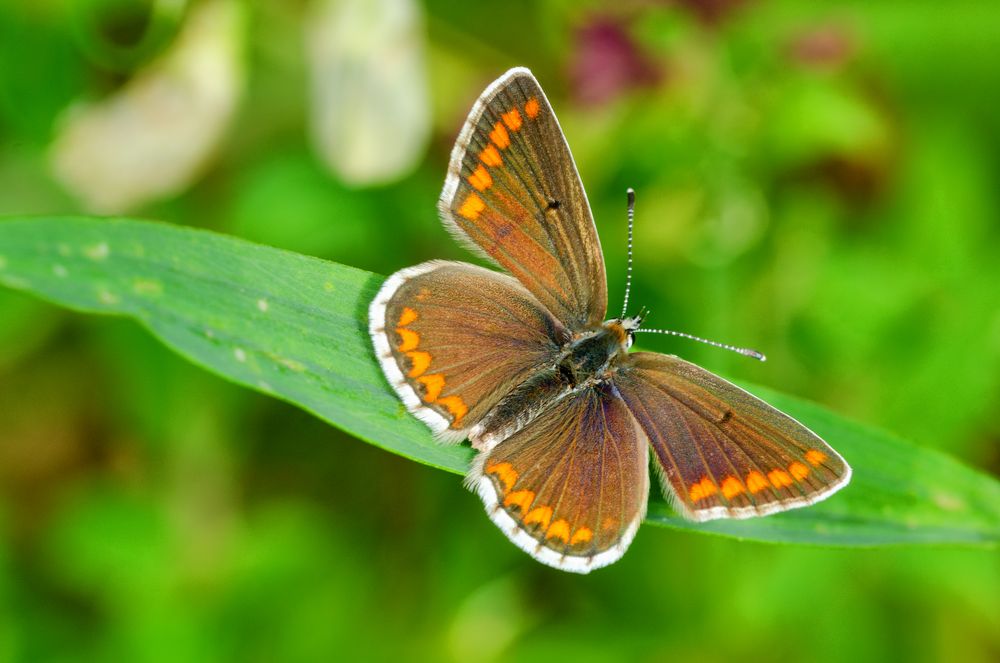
(278, 322)
(295, 327)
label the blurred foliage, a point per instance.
(815, 181)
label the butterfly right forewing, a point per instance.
(722, 452)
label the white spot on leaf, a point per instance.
(948, 501)
(97, 251)
(262, 305)
(107, 297)
(147, 287)
(240, 354)
(296, 366)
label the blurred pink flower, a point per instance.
(607, 62)
(824, 46)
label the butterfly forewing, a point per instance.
(514, 192)
(722, 452)
(570, 487)
(453, 338)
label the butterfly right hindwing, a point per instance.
(570, 487)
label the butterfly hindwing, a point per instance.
(513, 193)
(453, 338)
(570, 487)
(722, 452)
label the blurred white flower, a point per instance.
(370, 113)
(151, 138)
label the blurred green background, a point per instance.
(817, 182)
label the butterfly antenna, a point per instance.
(746, 352)
(628, 272)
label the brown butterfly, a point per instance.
(525, 365)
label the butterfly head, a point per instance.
(625, 327)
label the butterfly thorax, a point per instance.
(589, 358)
(593, 354)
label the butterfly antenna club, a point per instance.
(628, 272)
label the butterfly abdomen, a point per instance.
(520, 406)
(580, 364)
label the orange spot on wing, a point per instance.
(423, 294)
(558, 530)
(480, 178)
(499, 136)
(420, 361)
(815, 457)
(581, 535)
(521, 499)
(434, 384)
(703, 489)
(490, 156)
(780, 478)
(410, 339)
(407, 316)
(456, 406)
(540, 515)
(798, 470)
(472, 206)
(512, 119)
(731, 487)
(532, 108)
(505, 472)
(756, 482)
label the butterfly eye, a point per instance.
(630, 325)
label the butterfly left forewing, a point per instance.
(513, 193)
(722, 452)
(570, 487)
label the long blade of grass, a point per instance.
(295, 327)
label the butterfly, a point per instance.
(525, 364)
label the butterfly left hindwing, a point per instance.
(453, 338)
